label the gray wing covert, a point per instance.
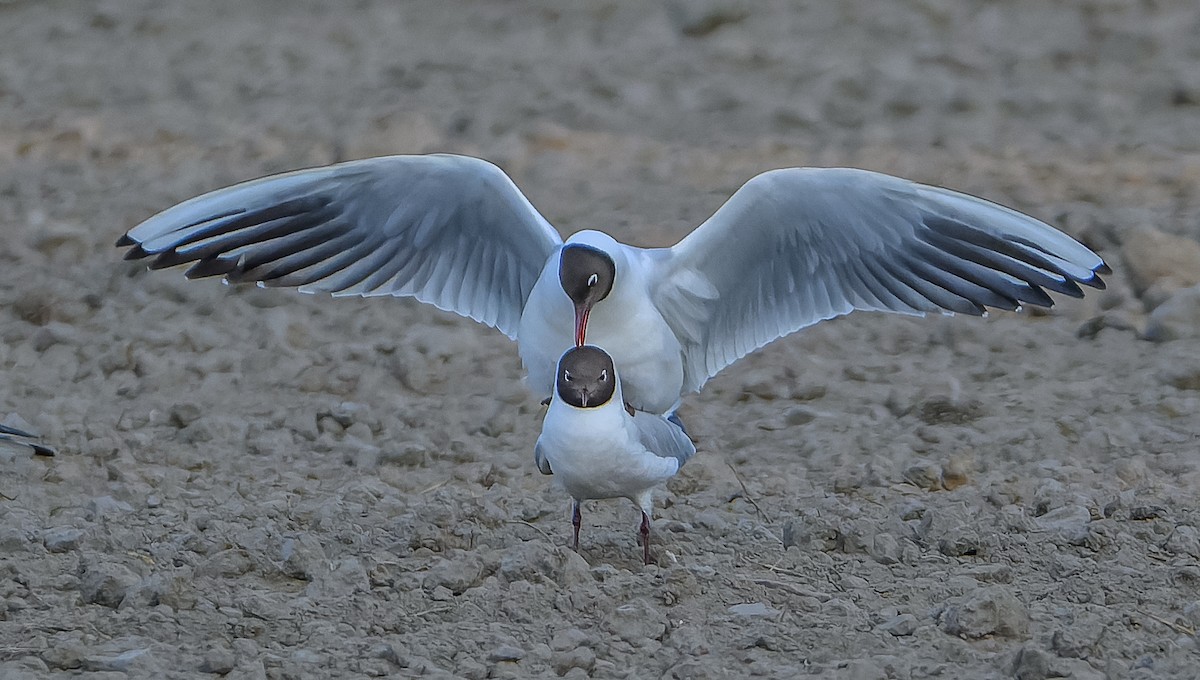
(663, 438)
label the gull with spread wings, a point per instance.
(790, 248)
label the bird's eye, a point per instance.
(567, 376)
(603, 376)
(593, 279)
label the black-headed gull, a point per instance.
(596, 449)
(790, 248)
(12, 434)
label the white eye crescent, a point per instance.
(603, 375)
(593, 279)
(567, 376)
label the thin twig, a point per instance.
(746, 493)
(1174, 626)
(535, 528)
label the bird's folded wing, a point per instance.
(795, 246)
(663, 438)
(452, 231)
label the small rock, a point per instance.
(506, 653)
(900, 626)
(753, 609)
(1092, 327)
(1142, 513)
(885, 549)
(1184, 540)
(1031, 663)
(106, 506)
(13, 539)
(956, 472)
(924, 475)
(1183, 376)
(959, 542)
(569, 638)
(457, 575)
(1069, 522)
(183, 414)
(61, 539)
(120, 663)
(65, 655)
(582, 658)
(989, 611)
(637, 622)
(697, 19)
(799, 415)
(943, 410)
(1159, 263)
(105, 584)
(219, 660)
(1178, 318)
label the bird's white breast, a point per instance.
(595, 453)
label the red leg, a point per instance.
(646, 537)
(576, 520)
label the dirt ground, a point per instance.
(262, 484)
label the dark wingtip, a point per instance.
(136, 252)
(124, 241)
(1103, 269)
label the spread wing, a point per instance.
(452, 231)
(795, 246)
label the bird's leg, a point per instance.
(576, 520)
(629, 409)
(645, 530)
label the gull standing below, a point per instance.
(790, 248)
(597, 449)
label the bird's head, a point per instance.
(586, 377)
(586, 274)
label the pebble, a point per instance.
(61, 539)
(105, 583)
(120, 663)
(636, 622)
(1178, 318)
(1069, 523)
(106, 506)
(581, 658)
(901, 625)
(457, 575)
(506, 653)
(885, 549)
(569, 638)
(65, 655)
(988, 611)
(1031, 663)
(1159, 263)
(13, 539)
(753, 609)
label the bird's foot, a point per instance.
(547, 400)
(629, 409)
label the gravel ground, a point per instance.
(259, 484)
